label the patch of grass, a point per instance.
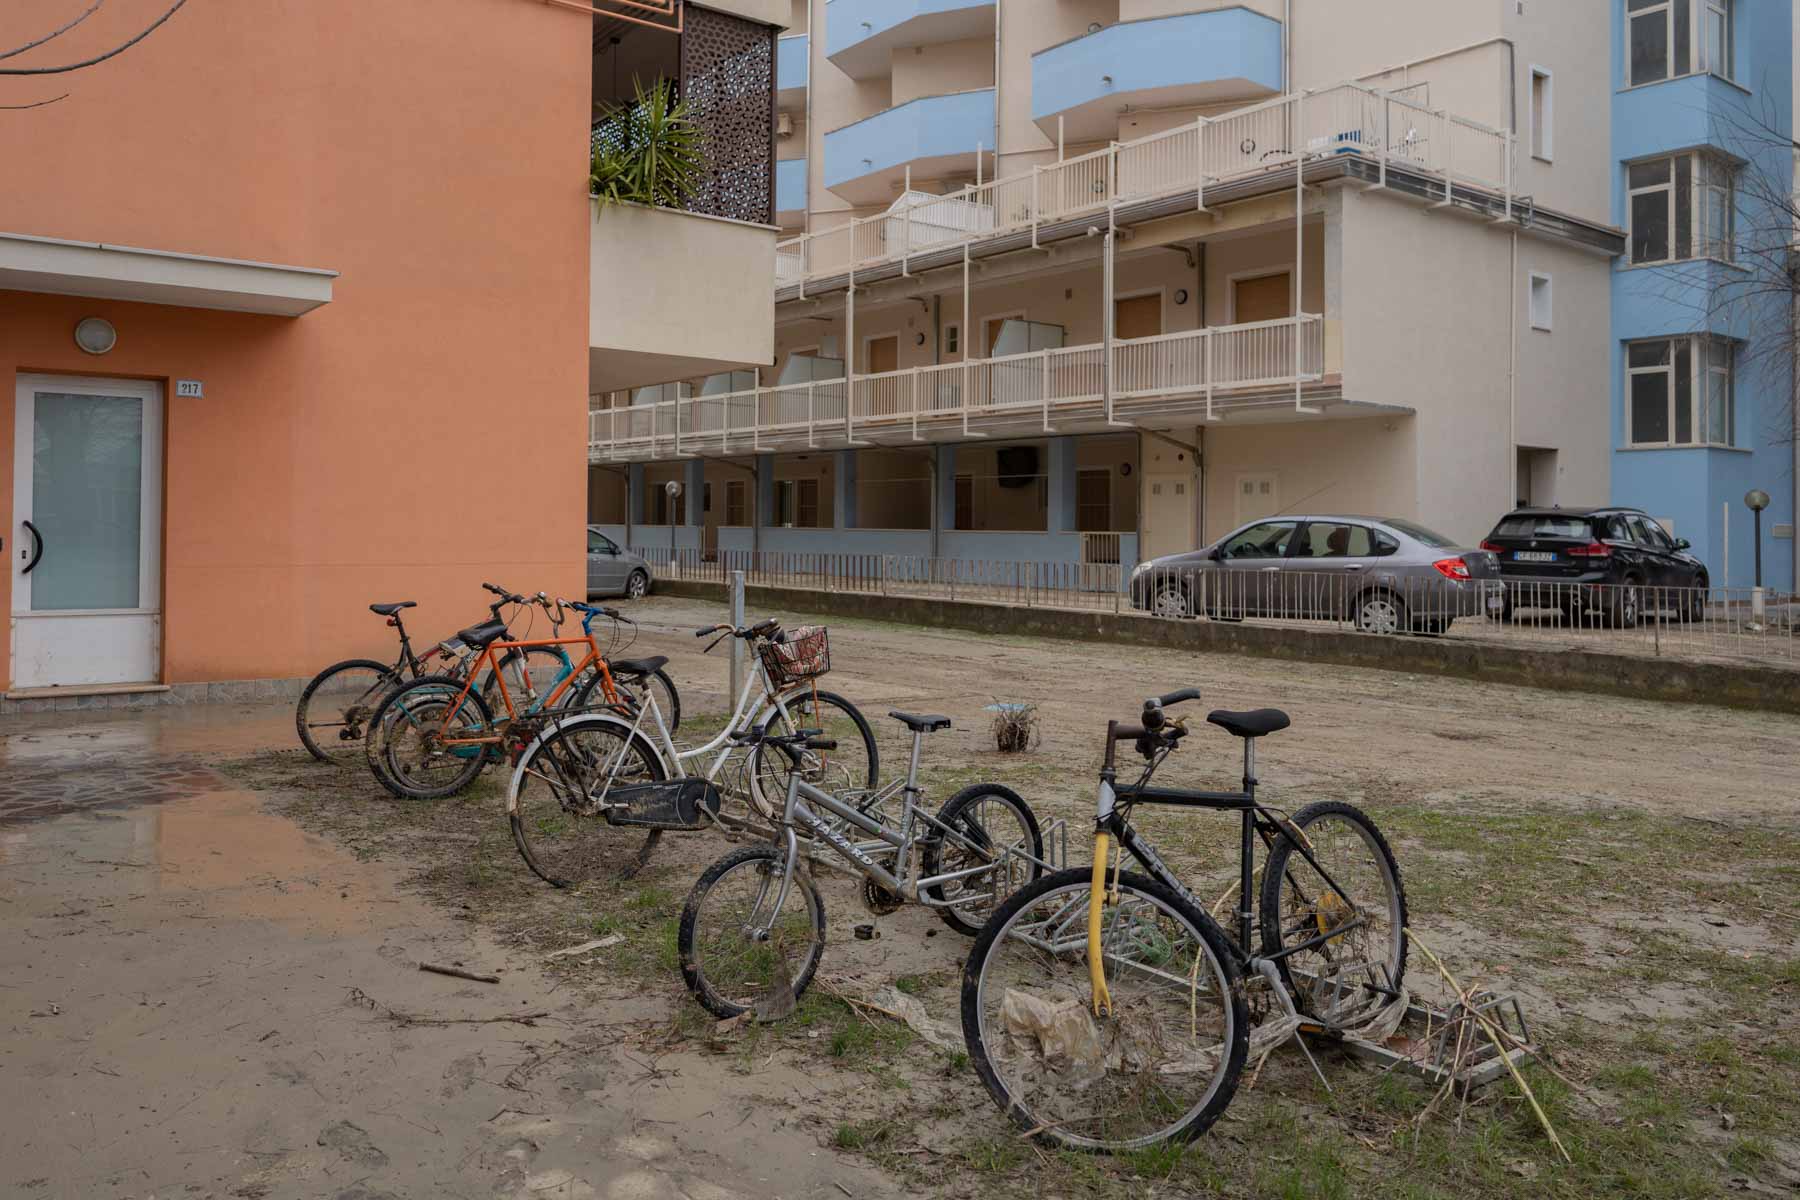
(996, 1156)
(863, 1135)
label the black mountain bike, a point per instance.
(1105, 1010)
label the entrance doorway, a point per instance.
(882, 356)
(87, 561)
(1137, 317)
(1168, 513)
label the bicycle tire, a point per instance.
(393, 709)
(970, 924)
(569, 867)
(669, 700)
(1066, 892)
(368, 698)
(1276, 872)
(775, 998)
(768, 800)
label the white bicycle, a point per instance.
(622, 765)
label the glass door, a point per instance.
(87, 491)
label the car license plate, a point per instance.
(1534, 556)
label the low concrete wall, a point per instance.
(1727, 685)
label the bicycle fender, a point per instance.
(623, 726)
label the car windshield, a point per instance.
(1534, 525)
(1419, 533)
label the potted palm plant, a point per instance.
(648, 152)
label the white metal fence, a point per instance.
(1698, 624)
(1349, 118)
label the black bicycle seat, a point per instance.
(388, 610)
(1252, 724)
(482, 634)
(921, 723)
(638, 666)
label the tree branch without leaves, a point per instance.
(98, 58)
(55, 33)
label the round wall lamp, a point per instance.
(95, 335)
(1124, 469)
(918, 339)
(1181, 295)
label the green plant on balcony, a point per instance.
(648, 152)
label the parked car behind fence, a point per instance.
(1617, 561)
(1386, 575)
(613, 570)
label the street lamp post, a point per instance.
(1756, 500)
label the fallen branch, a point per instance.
(458, 972)
(362, 999)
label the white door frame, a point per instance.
(108, 643)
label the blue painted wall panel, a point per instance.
(790, 185)
(928, 127)
(1226, 43)
(848, 22)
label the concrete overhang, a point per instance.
(109, 272)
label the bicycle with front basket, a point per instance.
(1106, 1010)
(753, 928)
(624, 767)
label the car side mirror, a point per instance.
(1682, 543)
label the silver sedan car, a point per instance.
(1383, 575)
(613, 570)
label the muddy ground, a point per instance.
(238, 1009)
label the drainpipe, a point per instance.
(812, 156)
(1512, 375)
(998, 9)
(1287, 47)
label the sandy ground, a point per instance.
(202, 997)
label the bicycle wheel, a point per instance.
(854, 765)
(414, 722)
(994, 819)
(333, 715)
(636, 687)
(530, 674)
(738, 954)
(1298, 905)
(556, 788)
(1161, 1067)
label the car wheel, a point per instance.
(1380, 612)
(638, 586)
(1626, 606)
(1170, 599)
(1693, 606)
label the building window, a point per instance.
(1680, 207)
(1543, 125)
(952, 339)
(797, 503)
(1665, 39)
(1679, 392)
(1540, 300)
(735, 491)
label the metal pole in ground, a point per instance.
(737, 644)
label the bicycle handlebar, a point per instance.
(760, 629)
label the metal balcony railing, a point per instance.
(1347, 119)
(1211, 370)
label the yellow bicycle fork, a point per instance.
(1096, 909)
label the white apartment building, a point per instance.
(1098, 280)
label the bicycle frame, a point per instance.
(890, 842)
(1111, 823)
(565, 680)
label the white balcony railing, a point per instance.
(1384, 127)
(1204, 367)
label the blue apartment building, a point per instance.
(1702, 380)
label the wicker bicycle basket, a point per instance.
(797, 655)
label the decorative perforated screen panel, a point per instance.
(728, 81)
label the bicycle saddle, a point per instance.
(1252, 724)
(482, 634)
(925, 723)
(388, 610)
(639, 666)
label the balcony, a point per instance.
(790, 190)
(1246, 372)
(861, 35)
(1241, 153)
(934, 135)
(671, 295)
(791, 66)
(1162, 62)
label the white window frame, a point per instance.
(1706, 374)
(1545, 319)
(1704, 58)
(1543, 120)
(1712, 190)
(952, 338)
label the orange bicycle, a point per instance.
(438, 732)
